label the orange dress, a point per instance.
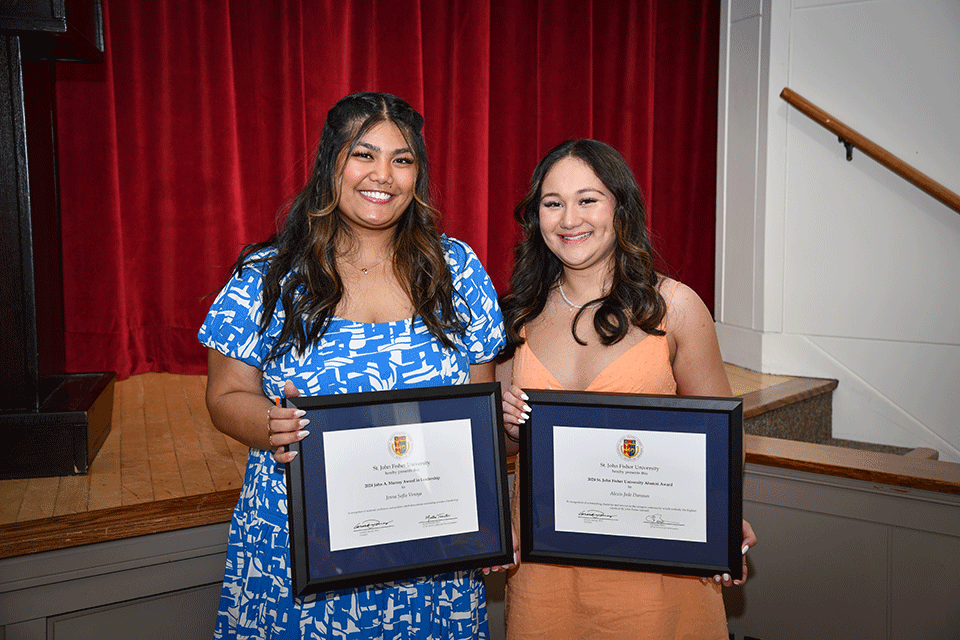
(561, 603)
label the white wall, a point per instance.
(839, 269)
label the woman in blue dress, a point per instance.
(358, 292)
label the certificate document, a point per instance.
(398, 483)
(644, 484)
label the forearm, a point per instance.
(242, 415)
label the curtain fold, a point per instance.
(184, 145)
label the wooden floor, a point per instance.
(744, 381)
(162, 445)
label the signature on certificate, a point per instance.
(657, 520)
(596, 515)
(372, 525)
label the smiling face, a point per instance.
(576, 216)
(378, 180)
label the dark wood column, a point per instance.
(52, 423)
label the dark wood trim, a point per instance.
(116, 523)
(794, 390)
(902, 472)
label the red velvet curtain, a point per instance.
(183, 145)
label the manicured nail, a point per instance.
(524, 417)
(746, 548)
(524, 396)
(305, 422)
(726, 577)
(298, 413)
(716, 579)
(302, 434)
(526, 408)
(293, 454)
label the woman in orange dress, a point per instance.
(587, 311)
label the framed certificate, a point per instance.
(398, 484)
(648, 483)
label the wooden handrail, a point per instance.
(875, 151)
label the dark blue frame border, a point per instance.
(720, 419)
(315, 568)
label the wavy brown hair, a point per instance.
(302, 276)
(633, 299)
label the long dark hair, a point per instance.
(633, 299)
(303, 275)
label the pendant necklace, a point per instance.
(366, 270)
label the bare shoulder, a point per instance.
(685, 309)
(695, 353)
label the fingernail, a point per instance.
(302, 434)
(524, 417)
(305, 422)
(486, 572)
(515, 561)
(524, 396)
(293, 454)
(726, 577)
(703, 580)
(526, 408)
(298, 413)
(716, 579)
(746, 548)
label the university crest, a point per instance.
(630, 448)
(400, 445)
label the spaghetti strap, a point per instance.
(669, 300)
(676, 283)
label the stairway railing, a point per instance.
(851, 139)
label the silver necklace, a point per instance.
(574, 306)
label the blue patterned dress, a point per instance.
(257, 599)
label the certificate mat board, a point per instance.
(637, 482)
(392, 485)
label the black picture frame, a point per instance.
(315, 567)
(719, 420)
